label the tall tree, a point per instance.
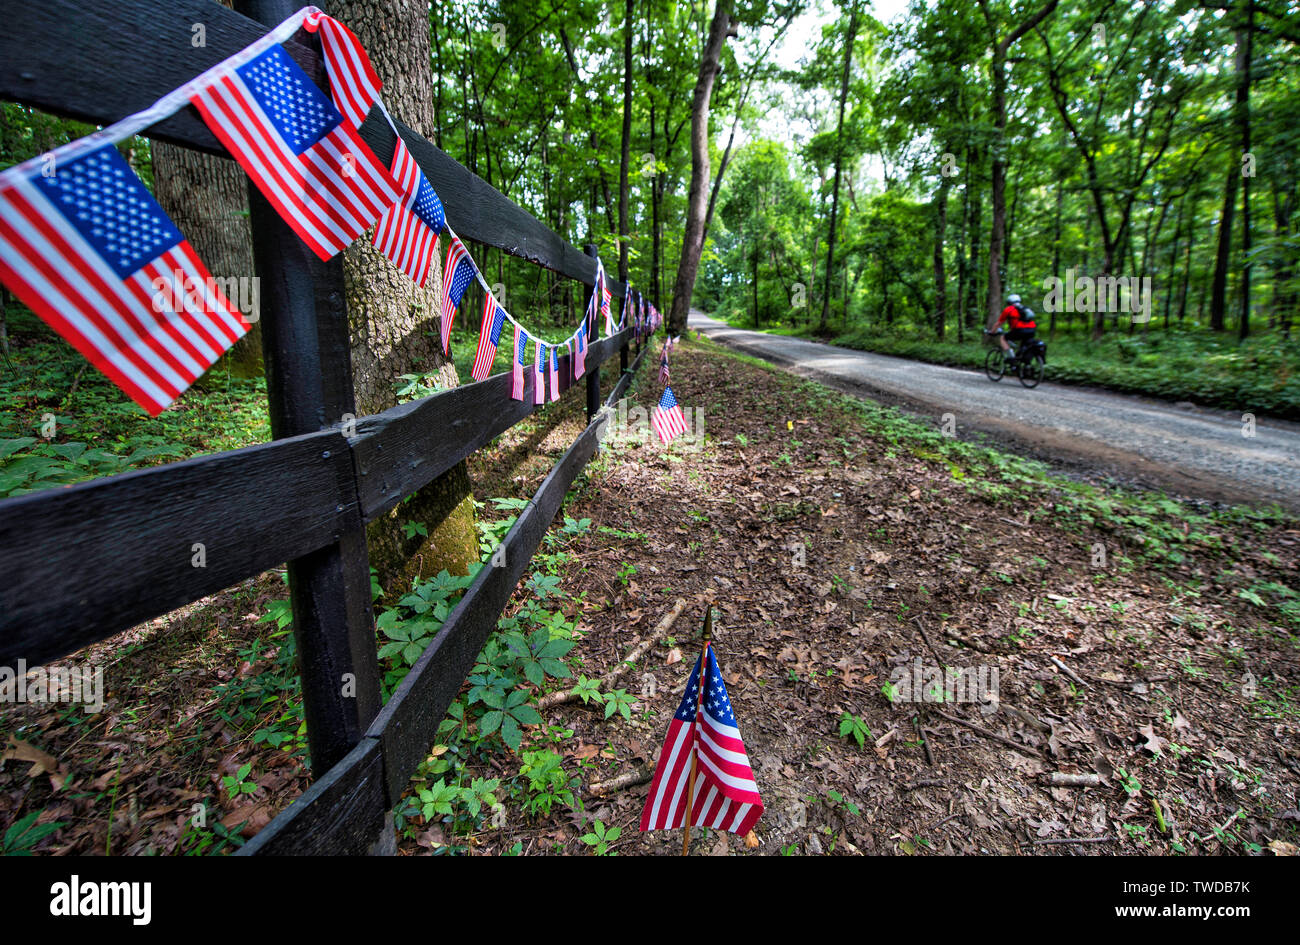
(850, 37)
(721, 28)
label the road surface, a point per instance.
(1194, 451)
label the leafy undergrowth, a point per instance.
(840, 542)
(1261, 376)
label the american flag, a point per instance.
(663, 364)
(602, 280)
(408, 231)
(457, 274)
(353, 83)
(518, 362)
(726, 795)
(489, 337)
(667, 417)
(555, 372)
(539, 375)
(295, 146)
(91, 252)
(580, 351)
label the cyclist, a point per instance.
(1021, 320)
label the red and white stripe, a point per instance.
(554, 367)
(487, 349)
(401, 235)
(455, 253)
(539, 375)
(353, 82)
(516, 369)
(329, 194)
(152, 352)
(668, 423)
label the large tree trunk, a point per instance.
(997, 69)
(940, 279)
(1245, 44)
(1223, 254)
(696, 202)
(627, 144)
(839, 161)
(394, 323)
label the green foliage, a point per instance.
(854, 727)
(25, 833)
(601, 837)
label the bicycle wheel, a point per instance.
(1031, 370)
(995, 364)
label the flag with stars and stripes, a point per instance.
(725, 795)
(408, 231)
(539, 374)
(602, 278)
(489, 337)
(89, 250)
(663, 362)
(580, 351)
(457, 274)
(555, 372)
(667, 417)
(517, 364)
(295, 145)
(353, 83)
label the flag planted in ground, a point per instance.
(663, 363)
(457, 274)
(725, 795)
(517, 363)
(297, 148)
(667, 417)
(90, 251)
(408, 231)
(489, 337)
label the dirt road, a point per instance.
(1195, 451)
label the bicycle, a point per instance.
(1030, 364)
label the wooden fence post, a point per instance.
(309, 386)
(593, 375)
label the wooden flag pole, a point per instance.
(695, 728)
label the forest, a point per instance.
(371, 579)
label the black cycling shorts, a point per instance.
(1021, 334)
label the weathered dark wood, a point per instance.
(84, 60)
(410, 445)
(341, 813)
(407, 725)
(309, 385)
(82, 563)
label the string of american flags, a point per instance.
(86, 246)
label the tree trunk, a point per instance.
(696, 202)
(1245, 46)
(940, 279)
(394, 324)
(839, 161)
(627, 144)
(1223, 254)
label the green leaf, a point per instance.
(490, 722)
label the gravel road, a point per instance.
(1193, 451)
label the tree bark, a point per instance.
(940, 279)
(393, 323)
(688, 267)
(627, 143)
(839, 161)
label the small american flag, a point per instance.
(539, 375)
(489, 337)
(90, 251)
(667, 417)
(457, 274)
(555, 372)
(295, 146)
(580, 351)
(605, 296)
(353, 83)
(408, 231)
(726, 794)
(663, 364)
(517, 365)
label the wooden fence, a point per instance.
(78, 565)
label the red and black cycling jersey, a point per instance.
(1017, 317)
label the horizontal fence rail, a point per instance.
(80, 564)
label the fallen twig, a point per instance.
(638, 775)
(1062, 779)
(1074, 840)
(1069, 672)
(606, 681)
(1018, 746)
